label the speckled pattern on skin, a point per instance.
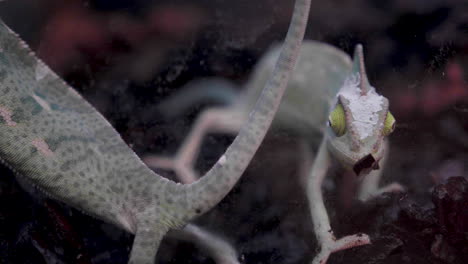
(57, 141)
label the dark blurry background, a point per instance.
(127, 56)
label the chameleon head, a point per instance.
(359, 121)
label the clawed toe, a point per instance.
(346, 242)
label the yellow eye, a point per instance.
(337, 120)
(389, 124)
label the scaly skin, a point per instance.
(57, 141)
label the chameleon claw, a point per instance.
(332, 245)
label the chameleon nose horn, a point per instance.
(366, 164)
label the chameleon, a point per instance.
(54, 139)
(331, 105)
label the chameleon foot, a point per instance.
(215, 120)
(332, 245)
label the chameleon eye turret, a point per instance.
(389, 124)
(337, 120)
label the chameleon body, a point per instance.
(58, 142)
(332, 106)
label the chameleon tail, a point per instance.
(217, 90)
(204, 194)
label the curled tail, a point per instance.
(204, 194)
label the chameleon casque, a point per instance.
(52, 138)
(331, 105)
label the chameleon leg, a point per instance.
(227, 120)
(370, 183)
(323, 231)
(146, 244)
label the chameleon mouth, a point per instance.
(365, 165)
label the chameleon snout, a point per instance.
(366, 164)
